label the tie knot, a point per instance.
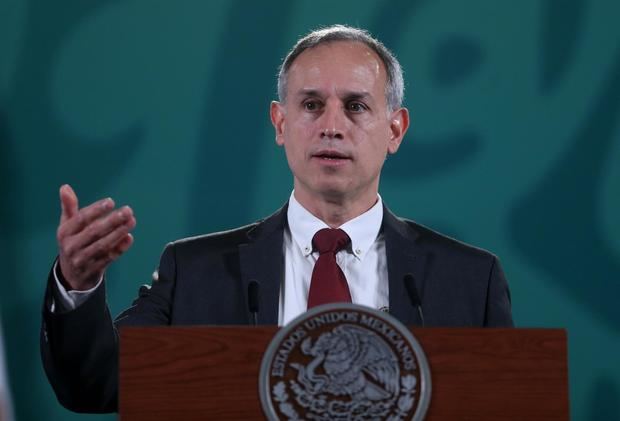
(330, 240)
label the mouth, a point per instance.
(331, 156)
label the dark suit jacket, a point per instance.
(204, 280)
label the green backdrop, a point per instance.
(163, 105)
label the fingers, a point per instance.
(99, 228)
(82, 267)
(68, 203)
(106, 245)
(90, 238)
(99, 259)
(121, 247)
(84, 217)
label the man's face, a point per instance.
(334, 125)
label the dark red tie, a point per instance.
(328, 284)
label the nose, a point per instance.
(332, 122)
(331, 133)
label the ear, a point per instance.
(399, 123)
(276, 112)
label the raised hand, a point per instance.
(89, 239)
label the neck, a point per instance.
(335, 211)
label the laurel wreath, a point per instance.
(404, 403)
(406, 399)
(280, 395)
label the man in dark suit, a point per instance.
(338, 117)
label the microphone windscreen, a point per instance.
(253, 292)
(412, 291)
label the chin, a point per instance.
(334, 191)
(331, 188)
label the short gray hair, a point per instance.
(394, 88)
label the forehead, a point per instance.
(344, 65)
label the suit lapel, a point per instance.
(402, 257)
(262, 260)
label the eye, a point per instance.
(311, 105)
(356, 107)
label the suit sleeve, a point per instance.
(79, 348)
(498, 307)
(79, 351)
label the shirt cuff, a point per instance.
(69, 300)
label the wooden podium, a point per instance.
(198, 373)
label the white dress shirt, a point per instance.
(363, 263)
(69, 300)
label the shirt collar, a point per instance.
(362, 230)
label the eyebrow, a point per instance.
(353, 95)
(348, 95)
(308, 92)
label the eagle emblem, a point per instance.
(337, 364)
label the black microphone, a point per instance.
(253, 292)
(412, 291)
